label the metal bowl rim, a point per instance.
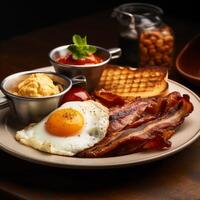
(79, 66)
(6, 92)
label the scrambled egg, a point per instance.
(37, 85)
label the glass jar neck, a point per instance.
(147, 22)
(138, 15)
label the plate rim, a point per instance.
(108, 165)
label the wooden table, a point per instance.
(176, 177)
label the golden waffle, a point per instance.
(129, 82)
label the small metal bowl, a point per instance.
(92, 72)
(33, 109)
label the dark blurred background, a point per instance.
(18, 17)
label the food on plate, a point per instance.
(140, 111)
(80, 53)
(128, 113)
(148, 126)
(127, 82)
(73, 127)
(37, 85)
(107, 98)
(76, 93)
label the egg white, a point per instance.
(96, 121)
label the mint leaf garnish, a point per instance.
(91, 49)
(77, 40)
(80, 48)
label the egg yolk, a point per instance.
(65, 122)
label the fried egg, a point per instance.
(69, 129)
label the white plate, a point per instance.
(185, 135)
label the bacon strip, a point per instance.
(108, 98)
(152, 135)
(140, 111)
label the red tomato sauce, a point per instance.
(90, 59)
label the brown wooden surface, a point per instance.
(176, 177)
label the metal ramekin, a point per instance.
(92, 72)
(33, 109)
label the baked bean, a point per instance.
(156, 34)
(151, 47)
(147, 42)
(168, 38)
(161, 49)
(146, 34)
(159, 43)
(167, 47)
(153, 39)
(166, 32)
(158, 55)
(170, 44)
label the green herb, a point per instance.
(80, 48)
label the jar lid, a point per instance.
(141, 15)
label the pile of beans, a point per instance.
(156, 47)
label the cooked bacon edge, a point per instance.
(107, 98)
(140, 111)
(152, 135)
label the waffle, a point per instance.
(129, 82)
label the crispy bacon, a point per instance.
(140, 111)
(107, 98)
(152, 135)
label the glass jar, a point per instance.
(128, 34)
(144, 38)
